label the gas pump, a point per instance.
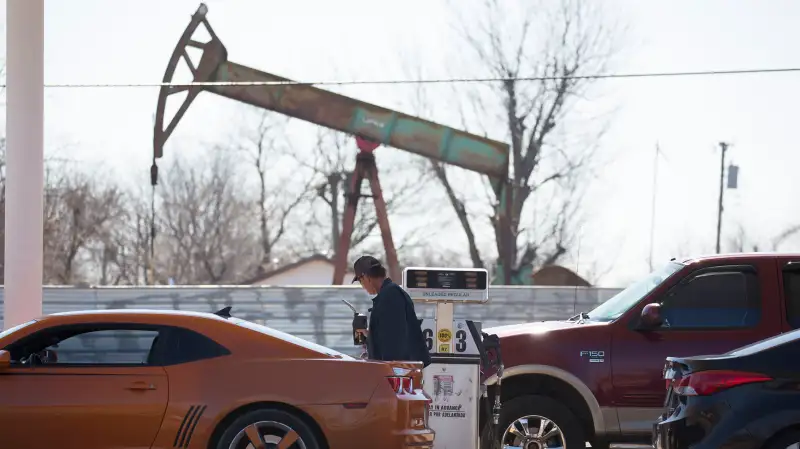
(460, 353)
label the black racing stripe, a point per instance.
(194, 424)
(188, 424)
(183, 423)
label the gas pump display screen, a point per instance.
(445, 284)
(449, 280)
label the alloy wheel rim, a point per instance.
(267, 435)
(533, 432)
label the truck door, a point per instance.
(710, 311)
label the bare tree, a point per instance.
(555, 44)
(332, 162)
(278, 196)
(429, 257)
(741, 242)
(123, 255)
(80, 213)
(781, 238)
(206, 223)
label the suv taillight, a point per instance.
(401, 384)
(704, 383)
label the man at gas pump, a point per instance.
(394, 333)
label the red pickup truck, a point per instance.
(597, 377)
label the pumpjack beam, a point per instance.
(215, 74)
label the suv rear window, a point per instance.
(791, 294)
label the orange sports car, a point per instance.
(127, 379)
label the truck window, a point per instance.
(791, 294)
(714, 300)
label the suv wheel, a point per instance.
(535, 422)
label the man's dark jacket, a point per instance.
(395, 333)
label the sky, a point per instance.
(126, 42)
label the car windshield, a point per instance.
(624, 300)
(289, 338)
(11, 330)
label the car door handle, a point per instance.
(141, 386)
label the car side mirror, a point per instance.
(5, 359)
(651, 316)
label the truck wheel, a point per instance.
(534, 422)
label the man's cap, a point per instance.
(364, 265)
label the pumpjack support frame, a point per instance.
(366, 169)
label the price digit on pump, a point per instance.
(461, 341)
(458, 338)
(428, 334)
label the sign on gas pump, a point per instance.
(460, 341)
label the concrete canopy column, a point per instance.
(24, 161)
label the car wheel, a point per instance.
(535, 422)
(261, 429)
(786, 440)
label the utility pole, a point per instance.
(653, 206)
(724, 149)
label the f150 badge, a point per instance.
(594, 356)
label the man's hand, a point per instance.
(362, 332)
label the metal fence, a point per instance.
(316, 313)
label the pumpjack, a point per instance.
(371, 125)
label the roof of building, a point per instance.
(556, 275)
(265, 274)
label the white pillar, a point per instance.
(24, 159)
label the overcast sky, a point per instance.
(94, 41)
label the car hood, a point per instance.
(540, 327)
(553, 343)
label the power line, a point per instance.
(431, 81)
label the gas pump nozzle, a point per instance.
(485, 343)
(359, 322)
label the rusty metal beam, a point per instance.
(379, 124)
(324, 108)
